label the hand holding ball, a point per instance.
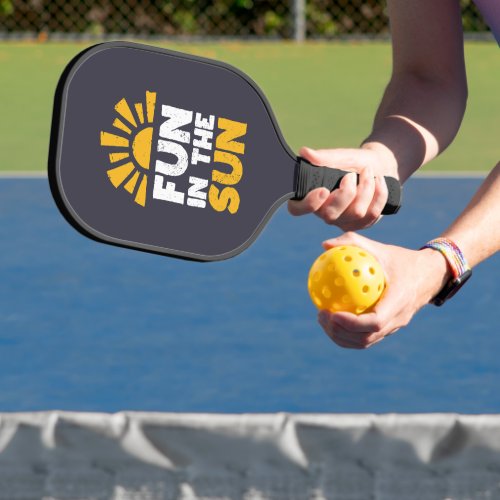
(346, 278)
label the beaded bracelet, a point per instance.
(452, 254)
(460, 269)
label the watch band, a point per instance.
(458, 265)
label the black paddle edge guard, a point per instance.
(54, 142)
(309, 177)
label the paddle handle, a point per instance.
(309, 177)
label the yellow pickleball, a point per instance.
(346, 278)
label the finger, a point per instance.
(393, 332)
(367, 203)
(365, 191)
(374, 342)
(376, 338)
(357, 224)
(364, 324)
(311, 203)
(380, 195)
(354, 341)
(385, 318)
(339, 334)
(338, 201)
(366, 209)
(341, 340)
(393, 311)
(362, 340)
(348, 338)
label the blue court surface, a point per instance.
(90, 327)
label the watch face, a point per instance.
(451, 288)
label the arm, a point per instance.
(480, 222)
(415, 277)
(424, 103)
(419, 114)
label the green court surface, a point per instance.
(323, 94)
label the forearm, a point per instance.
(424, 103)
(477, 230)
(416, 120)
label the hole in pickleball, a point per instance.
(372, 270)
(366, 289)
(326, 292)
(339, 281)
(346, 299)
(362, 254)
(356, 273)
(360, 309)
(348, 258)
(379, 287)
(317, 276)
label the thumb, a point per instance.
(347, 159)
(377, 249)
(311, 155)
(323, 157)
(349, 238)
(352, 159)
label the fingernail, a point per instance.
(324, 194)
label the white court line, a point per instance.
(453, 174)
(11, 174)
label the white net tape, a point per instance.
(160, 456)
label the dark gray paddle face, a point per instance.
(159, 151)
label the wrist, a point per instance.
(386, 157)
(457, 266)
(437, 272)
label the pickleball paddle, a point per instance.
(171, 153)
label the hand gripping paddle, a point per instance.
(171, 153)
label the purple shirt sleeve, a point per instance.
(490, 9)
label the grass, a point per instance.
(323, 94)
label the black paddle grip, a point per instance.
(309, 177)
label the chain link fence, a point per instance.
(284, 19)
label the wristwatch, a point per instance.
(460, 270)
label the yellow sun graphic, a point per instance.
(131, 146)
